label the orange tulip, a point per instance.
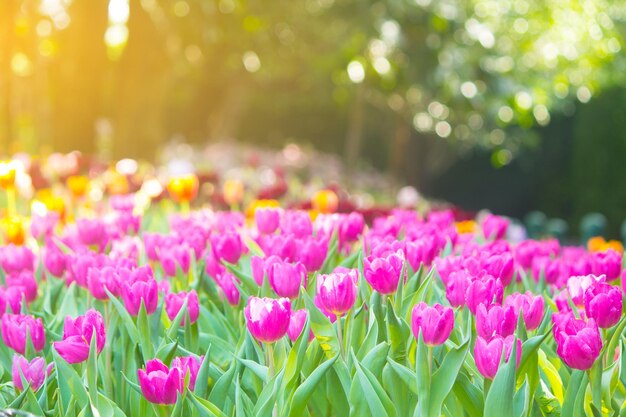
(78, 185)
(595, 244)
(325, 201)
(467, 226)
(183, 189)
(13, 230)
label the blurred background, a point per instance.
(509, 105)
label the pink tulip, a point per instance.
(174, 257)
(261, 266)
(160, 384)
(92, 232)
(54, 260)
(283, 246)
(99, 279)
(313, 252)
(34, 372)
(14, 328)
(188, 364)
(351, 227)
(267, 319)
(532, 308)
(488, 354)
(77, 334)
(138, 285)
(25, 280)
(286, 279)
(578, 343)
(434, 323)
(174, 302)
(336, 292)
(12, 297)
(495, 320)
(226, 283)
(42, 226)
(456, 288)
(296, 223)
(577, 286)
(499, 266)
(16, 259)
(607, 263)
(420, 251)
(227, 246)
(267, 219)
(494, 227)
(296, 325)
(485, 290)
(603, 303)
(383, 274)
(331, 316)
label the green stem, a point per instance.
(430, 361)
(486, 385)
(109, 388)
(270, 360)
(340, 337)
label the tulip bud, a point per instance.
(494, 227)
(336, 292)
(34, 372)
(160, 384)
(99, 279)
(456, 288)
(286, 279)
(485, 290)
(188, 364)
(267, 319)
(227, 246)
(138, 285)
(14, 328)
(489, 354)
(296, 325)
(174, 302)
(183, 188)
(434, 323)
(24, 280)
(267, 219)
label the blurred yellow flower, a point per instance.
(78, 185)
(260, 204)
(13, 230)
(325, 201)
(183, 189)
(233, 191)
(7, 175)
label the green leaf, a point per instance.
(376, 398)
(126, 318)
(322, 328)
(444, 378)
(143, 326)
(69, 382)
(206, 406)
(259, 370)
(202, 380)
(92, 372)
(304, 391)
(398, 332)
(405, 374)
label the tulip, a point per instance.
(456, 288)
(175, 256)
(99, 279)
(24, 280)
(500, 266)
(267, 319)
(261, 266)
(92, 232)
(488, 354)
(42, 226)
(532, 308)
(54, 260)
(336, 292)
(494, 227)
(140, 285)
(603, 303)
(12, 297)
(160, 384)
(226, 282)
(607, 263)
(331, 316)
(34, 372)
(286, 279)
(283, 246)
(227, 246)
(233, 192)
(296, 325)
(313, 252)
(495, 320)
(188, 364)
(16, 258)
(485, 290)
(351, 227)
(77, 334)
(267, 219)
(325, 201)
(174, 302)
(421, 251)
(184, 188)
(77, 184)
(383, 274)
(434, 323)
(296, 223)
(14, 328)
(578, 343)
(577, 286)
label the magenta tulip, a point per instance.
(578, 343)
(383, 273)
(14, 328)
(226, 283)
(434, 323)
(227, 246)
(486, 290)
(500, 266)
(286, 279)
(26, 281)
(456, 288)
(603, 303)
(34, 372)
(77, 334)
(495, 320)
(336, 292)
(296, 325)
(488, 354)
(174, 302)
(261, 266)
(494, 227)
(313, 252)
(297, 223)
(54, 260)
(532, 308)
(267, 319)
(607, 263)
(101, 279)
(92, 232)
(188, 364)
(138, 285)
(160, 384)
(267, 219)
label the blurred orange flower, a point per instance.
(78, 185)
(467, 226)
(13, 230)
(325, 201)
(7, 175)
(183, 188)
(233, 191)
(598, 244)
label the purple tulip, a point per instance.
(16, 258)
(485, 290)
(226, 283)
(578, 343)
(227, 246)
(267, 219)
(267, 319)
(34, 372)
(603, 303)
(77, 334)
(160, 384)
(383, 273)
(336, 292)
(434, 323)
(495, 320)
(531, 306)
(138, 285)
(92, 232)
(488, 354)
(420, 251)
(174, 302)
(188, 364)
(286, 279)
(14, 328)
(296, 325)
